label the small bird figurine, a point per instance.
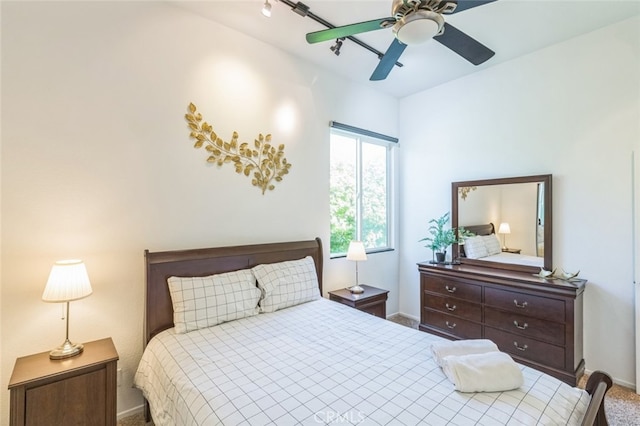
(567, 276)
(546, 274)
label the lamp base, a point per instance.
(356, 289)
(66, 350)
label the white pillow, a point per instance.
(200, 302)
(474, 247)
(287, 283)
(492, 244)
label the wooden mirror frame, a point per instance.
(548, 223)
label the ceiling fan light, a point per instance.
(418, 27)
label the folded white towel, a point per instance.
(487, 372)
(461, 347)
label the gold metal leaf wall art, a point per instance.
(265, 161)
(464, 191)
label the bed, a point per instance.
(318, 362)
(491, 251)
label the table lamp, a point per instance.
(504, 229)
(67, 281)
(357, 253)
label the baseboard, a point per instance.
(130, 412)
(405, 315)
(619, 382)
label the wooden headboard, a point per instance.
(484, 229)
(209, 261)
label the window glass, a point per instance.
(359, 191)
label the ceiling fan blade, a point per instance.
(388, 60)
(465, 46)
(348, 30)
(468, 4)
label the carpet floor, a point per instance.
(622, 405)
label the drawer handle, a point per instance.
(520, 348)
(521, 327)
(451, 326)
(520, 305)
(450, 308)
(450, 289)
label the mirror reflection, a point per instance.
(511, 218)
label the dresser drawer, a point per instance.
(454, 288)
(452, 325)
(453, 306)
(526, 304)
(551, 332)
(544, 353)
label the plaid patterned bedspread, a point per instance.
(325, 363)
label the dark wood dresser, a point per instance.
(537, 321)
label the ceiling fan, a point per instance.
(414, 22)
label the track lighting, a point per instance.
(266, 9)
(299, 8)
(336, 47)
(304, 11)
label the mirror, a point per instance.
(516, 210)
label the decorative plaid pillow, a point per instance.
(200, 302)
(287, 283)
(474, 247)
(492, 244)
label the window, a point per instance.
(360, 188)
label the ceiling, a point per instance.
(511, 28)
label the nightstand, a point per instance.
(372, 301)
(74, 391)
(511, 250)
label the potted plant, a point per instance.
(441, 238)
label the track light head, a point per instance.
(336, 47)
(301, 9)
(266, 9)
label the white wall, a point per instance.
(97, 162)
(571, 110)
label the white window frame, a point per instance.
(366, 136)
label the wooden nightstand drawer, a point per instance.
(79, 407)
(74, 391)
(372, 301)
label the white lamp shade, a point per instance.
(67, 281)
(356, 251)
(504, 228)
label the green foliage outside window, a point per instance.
(344, 189)
(342, 201)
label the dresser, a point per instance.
(537, 321)
(74, 391)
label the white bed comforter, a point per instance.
(519, 259)
(324, 363)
